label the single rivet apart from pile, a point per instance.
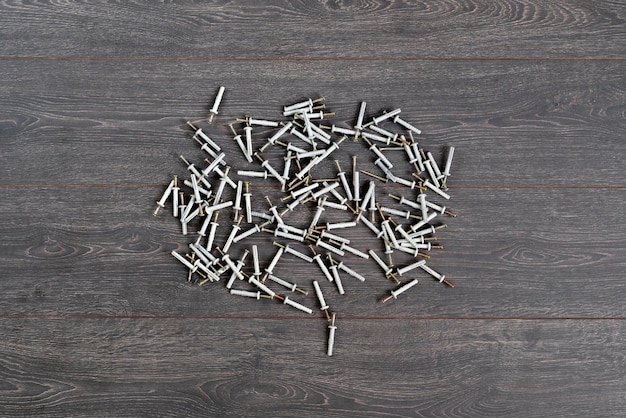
(407, 228)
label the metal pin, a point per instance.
(247, 196)
(191, 167)
(287, 301)
(295, 132)
(205, 147)
(291, 286)
(331, 336)
(233, 232)
(181, 206)
(183, 260)
(417, 153)
(213, 164)
(251, 173)
(214, 226)
(379, 154)
(175, 192)
(329, 247)
(327, 187)
(351, 272)
(406, 125)
(296, 182)
(354, 251)
(224, 174)
(434, 165)
(392, 136)
(265, 164)
(231, 265)
(238, 267)
(261, 286)
(336, 194)
(338, 130)
(242, 146)
(336, 277)
(369, 225)
(385, 170)
(385, 116)
(216, 104)
(409, 183)
(340, 225)
(356, 183)
(272, 265)
(431, 173)
(188, 208)
(389, 235)
(278, 233)
(407, 237)
(286, 167)
(424, 222)
(334, 146)
(401, 213)
(237, 205)
(436, 275)
(255, 262)
(395, 293)
(344, 181)
(441, 209)
(320, 298)
(306, 103)
(318, 132)
(164, 197)
(220, 187)
(318, 213)
(446, 171)
(246, 234)
(205, 137)
(256, 295)
(316, 115)
(320, 263)
(436, 190)
(380, 262)
(384, 180)
(410, 267)
(334, 237)
(419, 178)
(300, 199)
(259, 122)
(369, 194)
(248, 133)
(298, 254)
(205, 260)
(377, 138)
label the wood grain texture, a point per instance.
(97, 318)
(229, 367)
(514, 123)
(536, 253)
(318, 30)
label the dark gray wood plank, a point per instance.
(295, 29)
(97, 318)
(514, 123)
(225, 367)
(511, 253)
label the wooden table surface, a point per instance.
(97, 317)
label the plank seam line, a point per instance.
(289, 317)
(159, 186)
(303, 58)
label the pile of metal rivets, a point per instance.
(305, 142)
